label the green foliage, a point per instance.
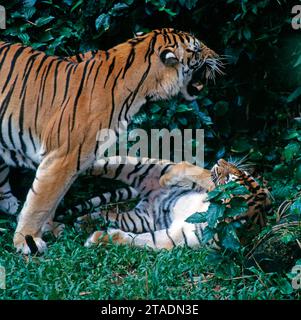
(219, 211)
(254, 109)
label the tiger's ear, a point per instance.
(169, 58)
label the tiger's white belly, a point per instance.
(190, 204)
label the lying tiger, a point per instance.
(169, 194)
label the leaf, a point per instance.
(291, 150)
(239, 190)
(208, 234)
(43, 20)
(205, 118)
(29, 3)
(221, 108)
(103, 21)
(298, 62)
(295, 208)
(155, 108)
(238, 206)
(292, 134)
(229, 239)
(183, 108)
(68, 2)
(78, 3)
(247, 33)
(118, 8)
(198, 217)
(214, 193)
(293, 96)
(28, 12)
(287, 238)
(214, 212)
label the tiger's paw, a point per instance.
(110, 236)
(29, 245)
(95, 238)
(10, 205)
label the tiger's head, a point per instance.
(224, 172)
(166, 62)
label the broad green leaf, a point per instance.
(214, 193)
(118, 8)
(291, 150)
(229, 239)
(103, 21)
(238, 206)
(183, 108)
(208, 234)
(197, 217)
(29, 3)
(43, 20)
(214, 212)
(247, 33)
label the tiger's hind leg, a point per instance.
(82, 220)
(8, 202)
(179, 234)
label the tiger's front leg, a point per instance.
(53, 178)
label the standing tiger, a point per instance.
(169, 194)
(51, 110)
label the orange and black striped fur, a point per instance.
(51, 110)
(258, 201)
(169, 194)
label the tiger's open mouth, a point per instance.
(208, 70)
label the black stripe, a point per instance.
(170, 238)
(3, 110)
(148, 55)
(133, 222)
(7, 47)
(10, 132)
(40, 65)
(78, 157)
(184, 236)
(113, 97)
(111, 67)
(78, 94)
(90, 70)
(12, 66)
(55, 81)
(154, 238)
(27, 72)
(67, 82)
(21, 129)
(31, 139)
(125, 222)
(129, 61)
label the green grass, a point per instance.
(70, 271)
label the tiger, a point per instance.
(169, 194)
(51, 110)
